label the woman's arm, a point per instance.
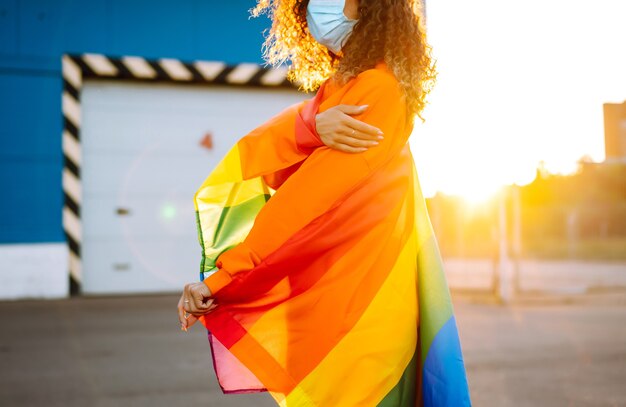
(321, 181)
(334, 127)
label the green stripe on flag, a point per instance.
(233, 220)
(435, 305)
(404, 392)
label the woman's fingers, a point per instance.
(346, 138)
(338, 130)
(188, 306)
(189, 312)
(197, 299)
(346, 148)
(353, 134)
(189, 303)
(181, 312)
(200, 312)
(353, 141)
(362, 130)
(191, 319)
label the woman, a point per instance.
(321, 276)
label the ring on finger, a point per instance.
(353, 132)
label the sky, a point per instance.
(519, 83)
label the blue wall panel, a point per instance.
(224, 31)
(30, 158)
(132, 29)
(49, 28)
(31, 210)
(33, 36)
(31, 108)
(8, 27)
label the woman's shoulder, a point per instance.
(380, 78)
(375, 82)
(381, 70)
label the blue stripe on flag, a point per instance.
(444, 379)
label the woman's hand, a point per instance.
(340, 131)
(195, 301)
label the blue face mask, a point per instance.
(327, 23)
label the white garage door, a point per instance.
(142, 162)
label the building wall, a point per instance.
(33, 36)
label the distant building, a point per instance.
(615, 132)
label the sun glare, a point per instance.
(513, 91)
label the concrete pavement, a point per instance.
(129, 351)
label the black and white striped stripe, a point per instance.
(174, 70)
(77, 68)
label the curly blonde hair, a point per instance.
(387, 30)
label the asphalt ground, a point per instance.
(129, 351)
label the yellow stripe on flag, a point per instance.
(381, 343)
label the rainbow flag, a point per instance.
(324, 265)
